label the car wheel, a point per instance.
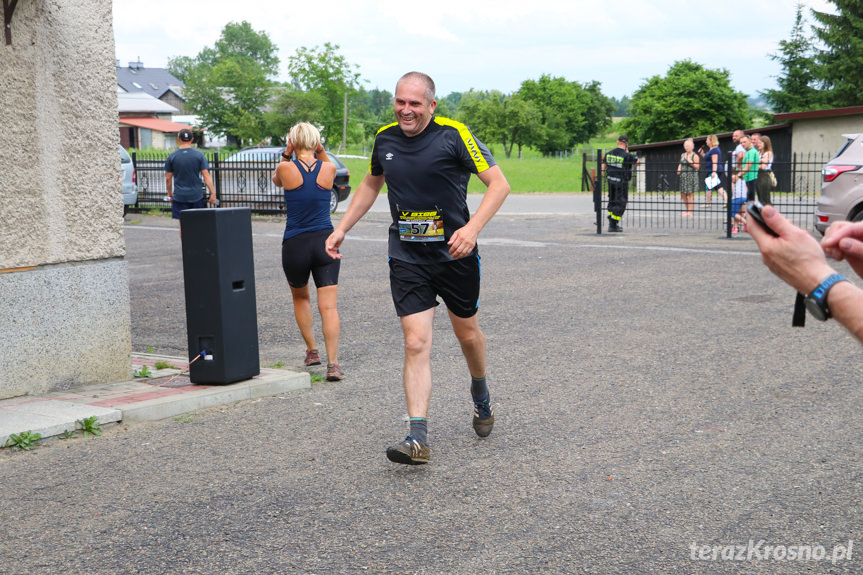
(125, 209)
(858, 217)
(334, 201)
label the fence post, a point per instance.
(217, 180)
(597, 192)
(730, 195)
(134, 155)
(794, 172)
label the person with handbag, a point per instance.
(766, 180)
(687, 169)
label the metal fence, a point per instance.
(655, 201)
(244, 181)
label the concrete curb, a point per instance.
(136, 400)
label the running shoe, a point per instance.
(312, 357)
(483, 420)
(334, 372)
(411, 451)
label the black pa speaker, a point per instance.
(221, 312)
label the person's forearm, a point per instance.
(845, 301)
(491, 202)
(208, 181)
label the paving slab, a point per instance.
(168, 393)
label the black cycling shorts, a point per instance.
(306, 254)
(415, 287)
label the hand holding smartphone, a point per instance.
(754, 211)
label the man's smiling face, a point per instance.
(412, 106)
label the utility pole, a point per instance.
(343, 147)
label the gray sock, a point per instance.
(479, 389)
(419, 429)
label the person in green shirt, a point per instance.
(748, 169)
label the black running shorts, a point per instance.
(306, 254)
(177, 207)
(415, 287)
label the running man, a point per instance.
(426, 162)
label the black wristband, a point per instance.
(285, 156)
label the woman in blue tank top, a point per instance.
(307, 181)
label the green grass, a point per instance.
(532, 173)
(529, 175)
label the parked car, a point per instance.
(128, 185)
(842, 185)
(246, 178)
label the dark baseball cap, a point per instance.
(185, 135)
(623, 138)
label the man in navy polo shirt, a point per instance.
(184, 169)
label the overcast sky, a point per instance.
(483, 44)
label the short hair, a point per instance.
(689, 141)
(304, 136)
(425, 79)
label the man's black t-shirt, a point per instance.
(427, 177)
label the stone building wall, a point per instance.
(64, 295)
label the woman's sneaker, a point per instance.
(411, 451)
(312, 357)
(334, 372)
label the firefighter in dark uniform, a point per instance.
(617, 165)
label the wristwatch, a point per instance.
(816, 302)
(285, 156)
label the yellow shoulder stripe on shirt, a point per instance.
(390, 125)
(469, 142)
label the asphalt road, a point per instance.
(654, 409)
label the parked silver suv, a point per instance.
(842, 185)
(127, 181)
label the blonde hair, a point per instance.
(304, 136)
(689, 141)
(712, 141)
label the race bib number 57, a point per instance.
(417, 226)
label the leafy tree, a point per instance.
(621, 106)
(242, 42)
(449, 106)
(798, 87)
(371, 109)
(840, 66)
(508, 120)
(229, 85)
(327, 73)
(689, 100)
(481, 111)
(288, 107)
(179, 66)
(570, 113)
(521, 123)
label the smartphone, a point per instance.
(754, 210)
